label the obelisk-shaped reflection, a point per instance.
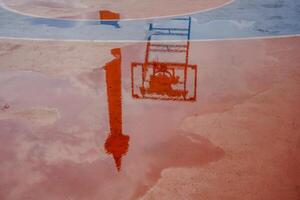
(116, 143)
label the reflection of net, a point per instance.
(166, 78)
(168, 83)
(162, 81)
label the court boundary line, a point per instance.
(2, 4)
(141, 41)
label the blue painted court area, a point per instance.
(240, 19)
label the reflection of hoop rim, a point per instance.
(164, 73)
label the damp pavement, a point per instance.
(240, 19)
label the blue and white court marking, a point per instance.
(240, 19)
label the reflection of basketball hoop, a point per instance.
(165, 80)
(169, 84)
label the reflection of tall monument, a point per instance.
(116, 143)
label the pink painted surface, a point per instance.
(239, 140)
(128, 9)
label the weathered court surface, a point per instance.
(239, 139)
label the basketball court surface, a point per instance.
(140, 99)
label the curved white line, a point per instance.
(2, 4)
(142, 41)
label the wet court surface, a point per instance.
(155, 114)
(79, 133)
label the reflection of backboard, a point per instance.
(164, 81)
(166, 73)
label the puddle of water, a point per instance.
(71, 155)
(75, 155)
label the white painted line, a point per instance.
(134, 19)
(138, 41)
